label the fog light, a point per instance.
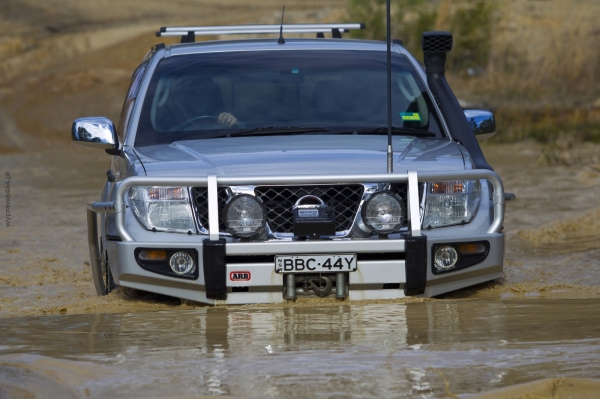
(152, 255)
(181, 263)
(445, 258)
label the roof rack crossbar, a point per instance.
(251, 27)
(252, 32)
(192, 31)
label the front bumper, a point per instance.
(374, 278)
(386, 268)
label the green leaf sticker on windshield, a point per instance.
(410, 116)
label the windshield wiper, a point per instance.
(258, 131)
(395, 129)
(263, 131)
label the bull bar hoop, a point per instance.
(412, 178)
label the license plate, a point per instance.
(315, 263)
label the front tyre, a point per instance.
(106, 275)
(101, 274)
(103, 280)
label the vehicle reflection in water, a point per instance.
(373, 350)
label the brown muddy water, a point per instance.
(417, 350)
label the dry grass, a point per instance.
(546, 125)
(542, 74)
(543, 54)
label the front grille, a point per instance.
(401, 190)
(200, 197)
(279, 200)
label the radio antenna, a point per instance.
(281, 41)
(390, 151)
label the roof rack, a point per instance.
(188, 33)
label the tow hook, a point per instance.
(321, 286)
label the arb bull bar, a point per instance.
(214, 270)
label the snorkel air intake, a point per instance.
(435, 47)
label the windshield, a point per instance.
(211, 95)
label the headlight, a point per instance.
(162, 208)
(451, 202)
(383, 212)
(245, 216)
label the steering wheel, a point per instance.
(198, 118)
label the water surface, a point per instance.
(428, 349)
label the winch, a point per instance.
(313, 220)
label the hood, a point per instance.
(298, 155)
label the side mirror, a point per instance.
(96, 132)
(482, 122)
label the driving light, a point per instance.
(181, 263)
(162, 208)
(445, 258)
(384, 212)
(451, 202)
(245, 216)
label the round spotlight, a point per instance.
(182, 263)
(445, 258)
(245, 216)
(384, 212)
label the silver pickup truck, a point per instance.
(254, 171)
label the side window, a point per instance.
(136, 79)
